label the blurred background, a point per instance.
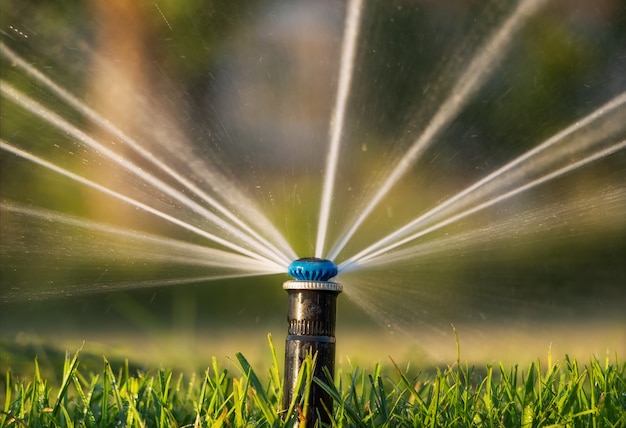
(238, 96)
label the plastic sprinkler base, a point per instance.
(311, 315)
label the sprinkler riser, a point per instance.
(296, 351)
(311, 319)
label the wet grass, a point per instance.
(554, 394)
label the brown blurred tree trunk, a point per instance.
(120, 71)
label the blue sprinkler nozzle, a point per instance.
(312, 269)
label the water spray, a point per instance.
(312, 304)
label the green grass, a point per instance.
(565, 394)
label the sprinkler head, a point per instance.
(311, 312)
(312, 269)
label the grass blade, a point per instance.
(68, 375)
(260, 397)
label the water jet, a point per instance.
(312, 304)
(450, 139)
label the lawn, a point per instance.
(568, 393)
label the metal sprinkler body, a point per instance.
(312, 307)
